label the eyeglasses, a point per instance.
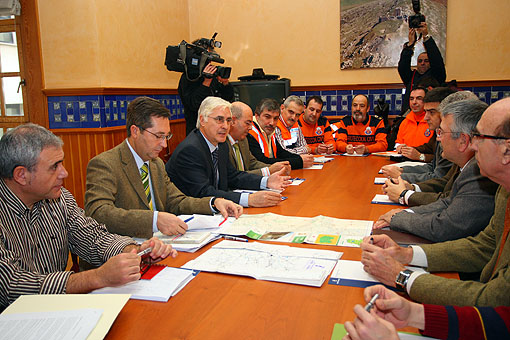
(482, 136)
(158, 137)
(440, 132)
(221, 120)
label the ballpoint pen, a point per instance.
(371, 304)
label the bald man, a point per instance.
(240, 155)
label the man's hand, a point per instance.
(399, 148)
(326, 149)
(279, 180)
(412, 36)
(119, 270)
(393, 188)
(396, 309)
(369, 326)
(169, 224)
(349, 149)
(208, 70)
(223, 81)
(392, 171)
(159, 251)
(360, 149)
(382, 262)
(264, 198)
(275, 167)
(401, 254)
(410, 153)
(423, 29)
(385, 220)
(228, 208)
(307, 160)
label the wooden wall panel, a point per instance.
(81, 145)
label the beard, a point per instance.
(358, 116)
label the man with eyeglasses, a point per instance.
(488, 252)
(128, 188)
(200, 164)
(429, 64)
(470, 204)
(239, 152)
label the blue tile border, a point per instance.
(97, 111)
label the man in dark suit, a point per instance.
(470, 204)
(200, 166)
(262, 140)
(117, 194)
(488, 252)
(240, 155)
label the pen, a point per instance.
(145, 251)
(371, 240)
(371, 304)
(188, 219)
(233, 238)
(392, 181)
(219, 225)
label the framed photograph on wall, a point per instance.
(372, 32)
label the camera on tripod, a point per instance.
(416, 19)
(192, 58)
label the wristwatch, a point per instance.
(422, 157)
(402, 196)
(402, 278)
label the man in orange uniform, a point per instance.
(287, 132)
(316, 128)
(360, 132)
(414, 130)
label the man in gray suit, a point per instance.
(127, 187)
(470, 204)
(488, 252)
(240, 155)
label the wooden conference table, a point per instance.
(219, 306)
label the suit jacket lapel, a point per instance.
(156, 185)
(205, 149)
(132, 172)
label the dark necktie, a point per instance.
(215, 167)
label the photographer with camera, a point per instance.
(212, 82)
(430, 63)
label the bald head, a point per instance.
(493, 154)
(242, 117)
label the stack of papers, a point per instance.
(268, 262)
(61, 316)
(355, 154)
(315, 167)
(168, 282)
(322, 159)
(380, 180)
(351, 273)
(387, 154)
(382, 199)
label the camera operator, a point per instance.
(192, 93)
(430, 63)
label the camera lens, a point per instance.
(217, 44)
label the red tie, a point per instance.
(506, 229)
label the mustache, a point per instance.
(357, 112)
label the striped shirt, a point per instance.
(35, 244)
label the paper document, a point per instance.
(380, 180)
(382, 199)
(109, 306)
(164, 284)
(355, 154)
(268, 262)
(318, 229)
(315, 167)
(339, 332)
(297, 181)
(71, 324)
(197, 222)
(351, 273)
(322, 159)
(387, 154)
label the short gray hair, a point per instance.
(268, 104)
(22, 146)
(208, 105)
(466, 114)
(455, 97)
(236, 110)
(294, 99)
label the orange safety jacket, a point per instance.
(317, 134)
(414, 130)
(259, 136)
(371, 133)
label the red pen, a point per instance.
(222, 222)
